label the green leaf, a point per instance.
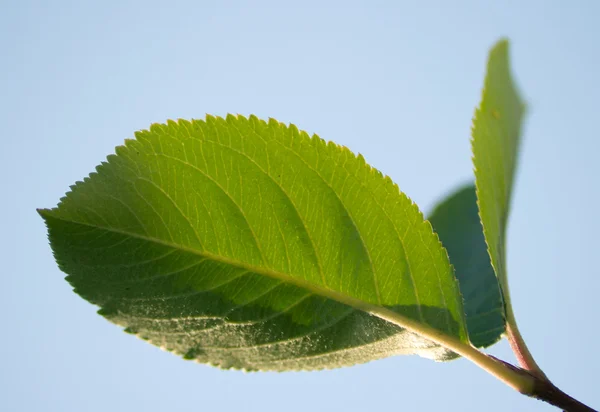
(456, 221)
(495, 143)
(247, 244)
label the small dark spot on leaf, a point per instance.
(193, 353)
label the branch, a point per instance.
(546, 391)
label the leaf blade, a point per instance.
(456, 221)
(199, 194)
(496, 135)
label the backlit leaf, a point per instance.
(247, 244)
(495, 143)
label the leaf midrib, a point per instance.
(419, 328)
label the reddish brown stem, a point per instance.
(524, 357)
(546, 391)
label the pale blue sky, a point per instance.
(392, 80)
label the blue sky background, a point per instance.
(392, 80)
